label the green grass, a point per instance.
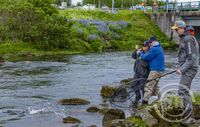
(137, 121)
(16, 51)
(196, 98)
(139, 30)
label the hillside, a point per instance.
(39, 29)
(121, 31)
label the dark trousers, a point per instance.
(184, 88)
(138, 86)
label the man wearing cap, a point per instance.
(188, 62)
(141, 69)
(190, 30)
(155, 57)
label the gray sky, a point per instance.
(75, 1)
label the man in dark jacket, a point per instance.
(141, 69)
(155, 58)
(188, 63)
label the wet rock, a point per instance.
(119, 123)
(112, 114)
(93, 109)
(73, 101)
(92, 126)
(198, 122)
(127, 81)
(196, 111)
(104, 110)
(71, 120)
(107, 91)
(145, 115)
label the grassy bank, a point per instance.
(19, 50)
(75, 31)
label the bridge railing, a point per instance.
(182, 6)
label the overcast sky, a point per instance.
(76, 1)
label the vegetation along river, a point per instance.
(30, 90)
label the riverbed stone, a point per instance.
(104, 110)
(92, 109)
(127, 81)
(71, 120)
(119, 123)
(196, 111)
(74, 101)
(92, 126)
(145, 115)
(112, 114)
(107, 91)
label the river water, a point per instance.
(30, 89)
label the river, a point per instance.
(30, 89)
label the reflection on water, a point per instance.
(30, 90)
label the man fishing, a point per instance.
(141, 69)
(188, 63)
(155, 58)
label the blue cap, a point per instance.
(151, 39)
(145, 44)
(189, 28)
(179, 24)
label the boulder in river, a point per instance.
(145, 115)
(73, 101)
(93, 109)
(119, 123)
(71, 120)
(112, 114)
(107, 91)
(104, 110)
(127, 81)
(196, 111)
(92, 126)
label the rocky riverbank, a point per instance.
(167, 112)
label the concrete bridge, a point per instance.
(167, 19)
(187, 11)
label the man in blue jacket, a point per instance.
(155, 58)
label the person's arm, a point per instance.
(134, 54)
(191, 55)
(149, 55)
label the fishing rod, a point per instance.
(122, 94)
(165, 74)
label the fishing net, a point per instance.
(126, 96)
(130, 94)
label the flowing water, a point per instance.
(30, 89)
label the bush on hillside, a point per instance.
(35, 22)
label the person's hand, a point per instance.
(136, 47)
(178, 71)
(138, 51)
